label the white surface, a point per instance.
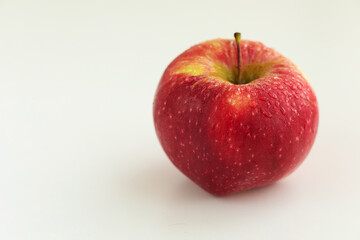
(79, 158)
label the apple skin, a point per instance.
(230, 137)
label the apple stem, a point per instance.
(237, 37)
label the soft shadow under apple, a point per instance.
(163, 181)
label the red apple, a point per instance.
(230, 130)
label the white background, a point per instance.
(79, 158)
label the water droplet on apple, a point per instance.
(283, 111)
(273, 95)
(266, 113)
(263, 98)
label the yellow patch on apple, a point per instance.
(193, 69)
